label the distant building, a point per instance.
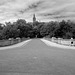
(34, 21)
(34, 18)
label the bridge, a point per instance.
(37, 58)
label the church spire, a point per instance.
(34, 18)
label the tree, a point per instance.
(10, 31)
(20, 22)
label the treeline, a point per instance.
(63, 29)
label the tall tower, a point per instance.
(34, 18)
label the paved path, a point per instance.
(36, 58)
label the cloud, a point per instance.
(45, 10)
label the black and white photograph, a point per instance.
(37, 37)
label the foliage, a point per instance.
(63, 29)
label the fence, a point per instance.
(63, 41)
(11, 41)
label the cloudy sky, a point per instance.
(45, 10)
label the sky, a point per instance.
(45, 10)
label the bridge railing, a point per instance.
(11, 41)
(64, 41)
(69, 42)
